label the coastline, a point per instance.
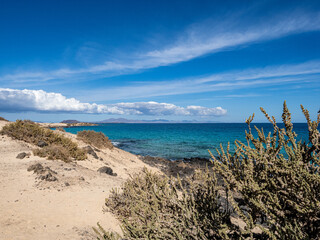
(66, 125)
(68, 203)
(34, 206)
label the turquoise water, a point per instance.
(177, 141)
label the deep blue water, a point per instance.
(176, 141)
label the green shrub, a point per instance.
(151, 206)
(97, 139)
(281, 191)
(271, 186)
(59, 147)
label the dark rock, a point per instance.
(42, 143)
(46, 173)
(90, 151)
(49, 169)
(35, 167)
(22, 155)
(47, 176)
(197, 160)
(107, 170)
(97, 150)
(183, 168)
(67, 184)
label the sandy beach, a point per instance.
(67, 208)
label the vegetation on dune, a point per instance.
(271, 190)
(53, 152)
(55, 146)
(96, 139)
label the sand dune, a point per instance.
(32, 208)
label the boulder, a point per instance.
(90, 151)
(107, 170)
(47, 176)
(42, 144)
(22, 155)
(44, 173)
(35, 168)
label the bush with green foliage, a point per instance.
(271, 185)
(96, 139)
(278, 179)
(157, 207)
(58, 146)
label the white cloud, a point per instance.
(268, 76)
(196, 41)
(13, 100)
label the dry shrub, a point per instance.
(53, 152)
(31, 132)
(97, 139)
(157, 207)
(271, 184)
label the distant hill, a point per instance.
(120, 120)
(70, 121)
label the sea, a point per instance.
(179, 140)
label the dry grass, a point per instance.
(58, 146)
(53, 152)
(97, 139)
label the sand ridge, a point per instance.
(32, 208)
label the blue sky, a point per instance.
(202, 60)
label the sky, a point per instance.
(176, 60)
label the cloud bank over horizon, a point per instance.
(14, 100)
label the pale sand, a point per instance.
(37, 209)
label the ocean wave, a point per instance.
(116, 144)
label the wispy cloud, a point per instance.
(196, 41)
(302, 74)
(13, 100)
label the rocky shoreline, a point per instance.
(182, 167)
